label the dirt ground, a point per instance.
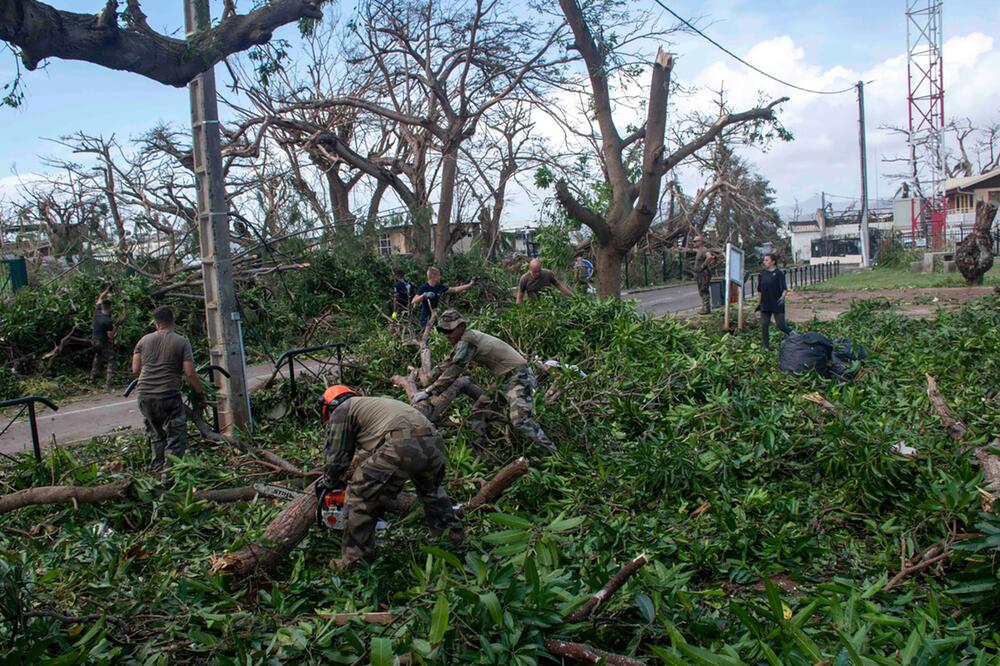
(914, 303)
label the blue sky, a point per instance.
(802, 41)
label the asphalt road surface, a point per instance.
(677, 298)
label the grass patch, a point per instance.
(896, 278)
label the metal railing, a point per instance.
(796, 276)
(289, 357)
(28, 402)
(946, 239)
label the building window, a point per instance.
(993, 195)
(384, 245)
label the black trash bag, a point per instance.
(846, 355)
(802, 352)
(814, 351)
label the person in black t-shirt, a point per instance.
(429, 294)
(103, 339)
(402, 294)
(772, 299)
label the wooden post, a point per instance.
(222, 319)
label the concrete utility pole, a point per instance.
(221, 316)
(866, 255)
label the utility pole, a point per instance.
(222, 320)
(866, 258)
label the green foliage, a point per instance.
(667, 419)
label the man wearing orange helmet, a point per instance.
(404, 445)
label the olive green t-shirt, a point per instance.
(531, 286)
(163, 354)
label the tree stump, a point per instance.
(974, 255)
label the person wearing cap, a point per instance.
(535, 280)
(403, 445)
(499, 358)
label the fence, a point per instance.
(796, 277)
(649, 269)
(13, 275)
(943, 240)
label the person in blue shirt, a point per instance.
(429, 294)
(772, 299)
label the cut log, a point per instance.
(588, 654)
(613, 585)
(64, 494)
(227, 495)
(991, 474)
(282, 535)
(956, 429)
(496, 486)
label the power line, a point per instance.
(756, 69)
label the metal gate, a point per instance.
(13, 275)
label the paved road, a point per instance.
(677, 298)
(101, 414)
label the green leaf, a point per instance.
(492, 604)
(382, 654)
(439, 619)
(507, 520)
(565, 524)
(442, 554)
(645, 605)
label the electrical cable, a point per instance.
(756, 69)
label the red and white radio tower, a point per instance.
(926, 109)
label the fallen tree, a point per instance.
(291, 525)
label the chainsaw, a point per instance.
(330, 509)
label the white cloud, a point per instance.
(824, 155)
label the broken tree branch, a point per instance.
(612, 586)
(64, 494)
(956, 429)
(588, 654)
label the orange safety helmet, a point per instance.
(333, 396)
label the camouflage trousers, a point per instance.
(166, 428)
(519, 392)
(379, 479)
(104, 354)
(703, 280)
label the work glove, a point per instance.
(419, 396)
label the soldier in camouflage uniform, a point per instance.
(499, 358)
(404, 445)
(703, 259)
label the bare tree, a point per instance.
(444, 67)
(35, 31)
(633, 193)
(503, 149)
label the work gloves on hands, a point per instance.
(419, 396)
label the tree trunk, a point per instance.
(442, 230)
(285, 532)
(61, 494)
(609, 270)
(974, 255)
